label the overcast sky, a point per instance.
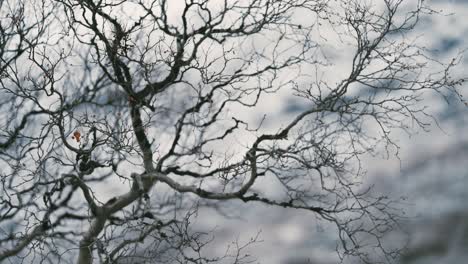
(431, 171)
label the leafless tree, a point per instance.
(162, 99)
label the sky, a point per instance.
(430, 172)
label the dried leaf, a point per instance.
(77, 136)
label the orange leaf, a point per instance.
(77, 135)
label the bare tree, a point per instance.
(161, 99)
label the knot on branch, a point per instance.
(141, 184)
